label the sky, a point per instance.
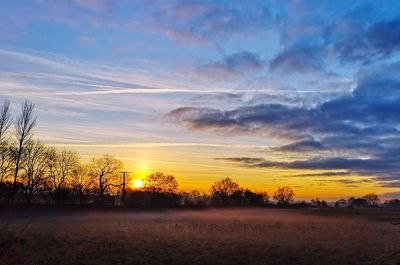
(269, 93)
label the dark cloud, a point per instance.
(355, 42)
(311, 35)
(232, 66)
(384, 36)
(347, 182)
(330, 163)
(299, 58)
(246, 160)
(301, 146)
(326, 174)
(384, 170)
(357, 132)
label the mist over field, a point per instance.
(214, 236)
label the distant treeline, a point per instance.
(33, 173)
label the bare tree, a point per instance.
(223, 189)
(284, 195)
(24, 126)
(5, 123)
(5, 119)
(6, 162)
(372, 199)
(65, 165)
(51, 164)
(106, 170)
(159, 182)
(81, 182)
(34, 165)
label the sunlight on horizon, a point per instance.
(137, 183)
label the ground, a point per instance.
(216, 236)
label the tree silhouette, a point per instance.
(24, 126)
(6, 163)
(284, 195)
(372, 199)
(222, 190)
(5, 123)
(319, 203)
(5, 120)
(34, 165)
(393, 203)
(65, 165)
(159, 182)
(106, 170)
(340, 203)
(81, 182)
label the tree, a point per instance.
(5, 162)
(81, 182)
(65, 164)
(159, 182)
(24, 126)
(319, 203)
(5, 120)
(372, 199)
(105, 170)
(392, 203)
(194, 198)
(284, 195)
(5, 152)
(253, 198)
(357, 202)
(341, 203)
(222, 190)
(51, 164)
(34, 165)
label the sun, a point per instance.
(138, 183)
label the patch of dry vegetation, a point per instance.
(231, 236)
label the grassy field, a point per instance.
(230, 236)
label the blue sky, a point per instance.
(260, 85)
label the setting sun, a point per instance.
(138, 183)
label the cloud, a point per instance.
(232, 66)
(390, 195)
(384, 36)
(331, 163)
(357, 132)
(384, 170)
(352, 41)
(326, 174)
(192, 21)
(307, 145)
(313, 36)
(299, 58)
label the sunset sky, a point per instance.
(269, 93)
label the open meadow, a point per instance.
(215, 236)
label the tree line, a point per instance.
(34, 173)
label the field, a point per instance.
(229, 236)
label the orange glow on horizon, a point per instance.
(137, 183)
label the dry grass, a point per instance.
(239, 236)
